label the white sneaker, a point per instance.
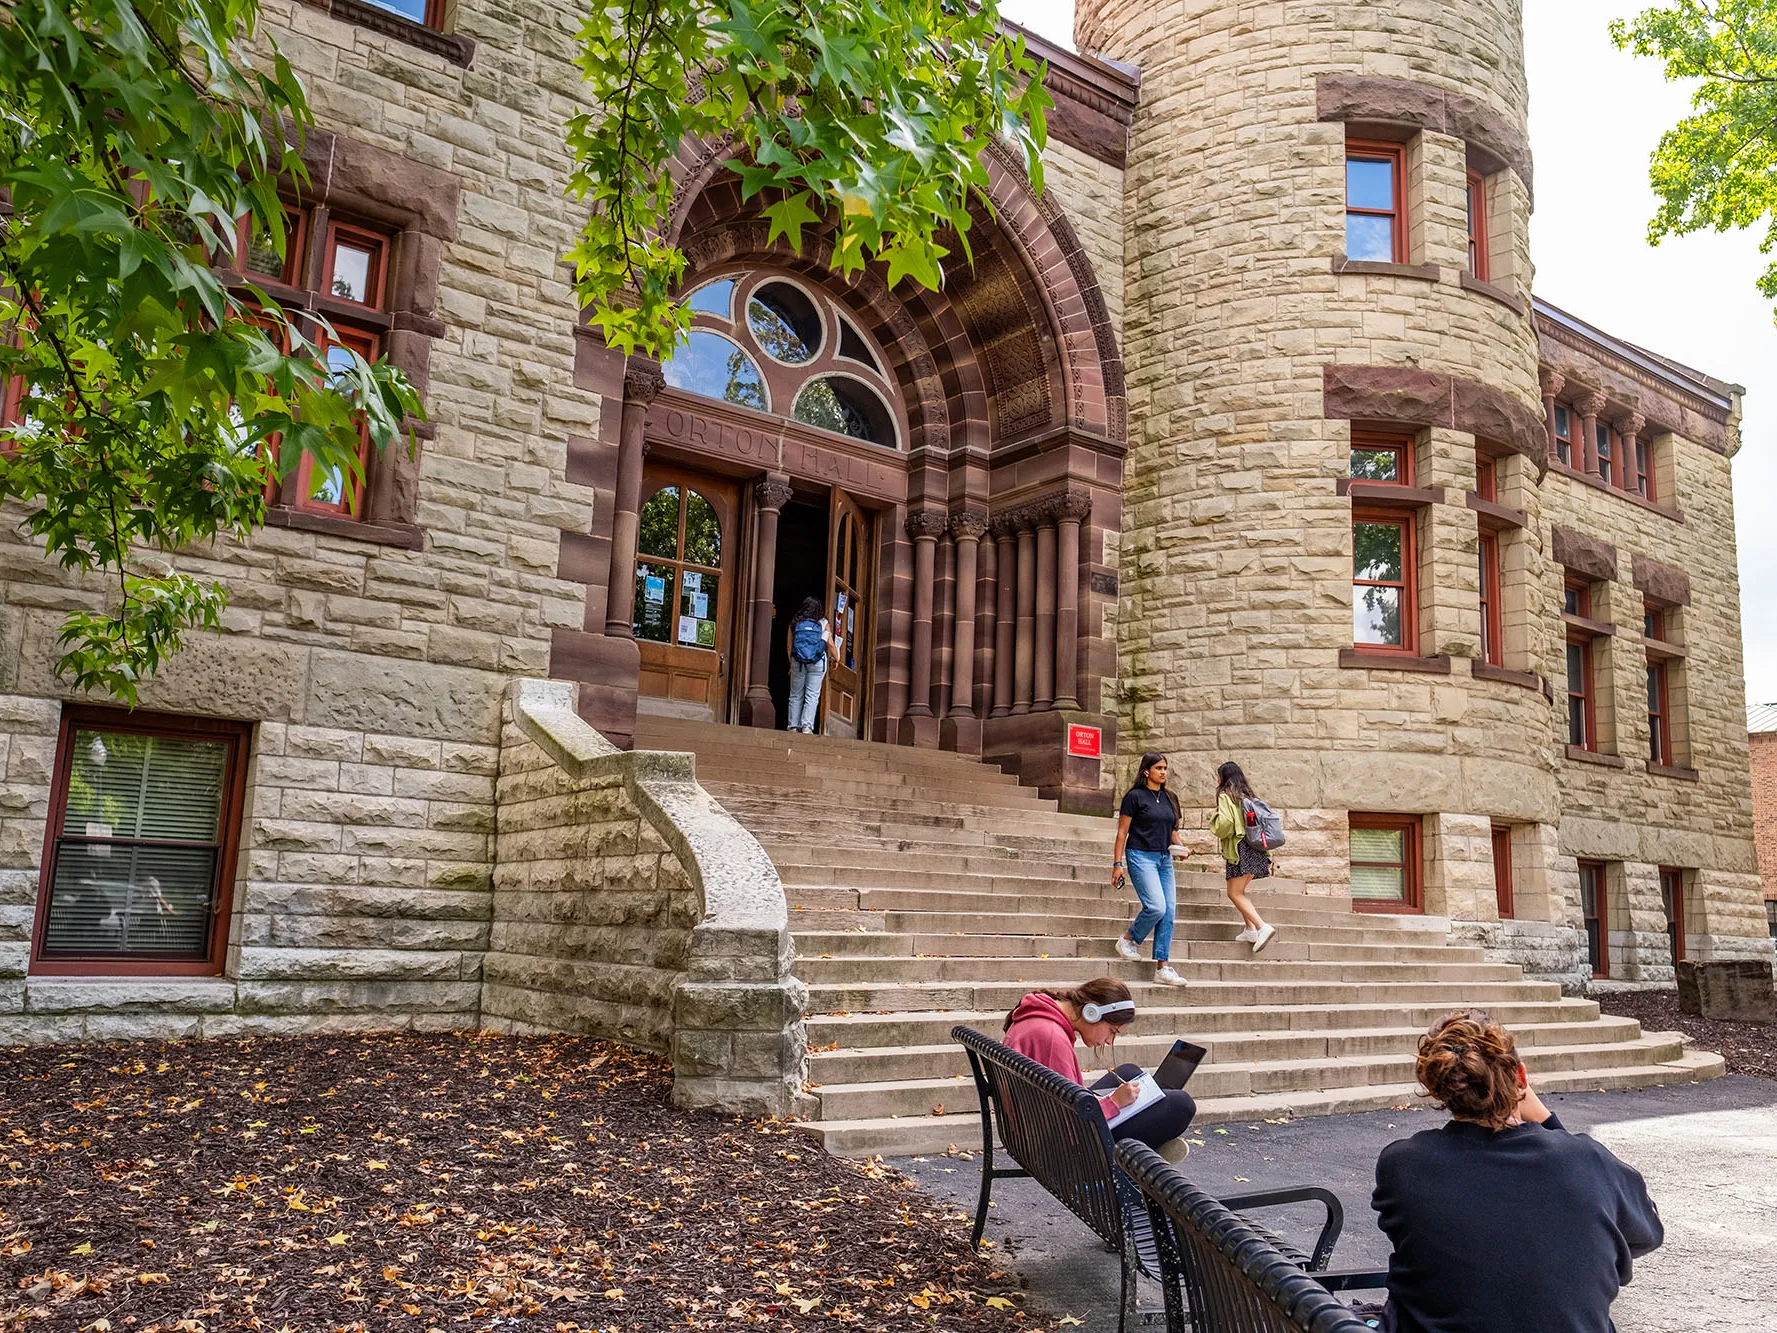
(1127, 948)
(1263, 937)
(1167, 976)
(1246, 936)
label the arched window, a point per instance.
(678, 572)
(711, 365)
(767, 341)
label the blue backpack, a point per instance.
(806, 642)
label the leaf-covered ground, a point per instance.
(416, 1182)
(1748, 1048)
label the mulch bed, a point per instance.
(416, 1182)
(1748, 1048)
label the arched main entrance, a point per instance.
(938, 469)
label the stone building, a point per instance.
(1761, 738)
(1246, 438)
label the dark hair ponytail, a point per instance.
(810, 610)
(1148, 760)
(1100, 990)
(1230, 779)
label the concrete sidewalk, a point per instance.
(1708, 1151)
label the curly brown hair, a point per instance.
(1468, 1064)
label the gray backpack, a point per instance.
(1264, 827)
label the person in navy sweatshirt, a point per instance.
(1045, 1025)
(1502, 1221)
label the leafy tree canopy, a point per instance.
(155, 399)
(872, 113)
(1717, 168)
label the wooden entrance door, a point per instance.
(848, 581)
(684, 591)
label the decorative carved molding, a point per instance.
(968, 524)
(642, 380)
(1398, 395)
(927, 523)
(772, 495)
(1632, 425)
(1004, 525)
(1593, 404)
(1663, 583)
(1072, 506)
(1552, 381)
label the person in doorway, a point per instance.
(1045, 1025)
(1245, 862)
(1147, 830)
(809, 641)
(1501, 1219)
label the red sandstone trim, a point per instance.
(1585, 756)
(1390, 493)
(1493, 516)
(1399, 396)
(1493, 291)
(1376, 268)
(1485, 671)
(1673, 771)
(1381, 659)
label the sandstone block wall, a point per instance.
(629, 905)
(1763, 748)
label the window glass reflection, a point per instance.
(710, 365)
(660, 524)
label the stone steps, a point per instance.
(927, 891)
(901, 1136)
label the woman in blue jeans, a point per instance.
(1147, 830)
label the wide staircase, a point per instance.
(927, 890)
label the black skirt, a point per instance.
(1254, 861)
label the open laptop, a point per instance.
(1180, 1063)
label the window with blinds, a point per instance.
(143, 826)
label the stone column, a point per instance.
(943, 623)
(918, 725)
(986, 627)
(1591, 406)
(642, 381)
(773, 493)
(1005, 613)
(1024, 663)
(1553, 381)
(1630, 428)
(1071, 510)
(962, 729)
(1045, 617)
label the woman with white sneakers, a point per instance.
(1147, 830)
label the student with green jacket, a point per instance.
(1245, 862)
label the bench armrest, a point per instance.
(1330, 1229)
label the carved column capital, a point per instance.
(1552, 380)
(1632, 425)
(968, 524)
(642, 380)
(1593, 404)
(772, 494)
(1072, 506)
(1003, 526)
(926, 523)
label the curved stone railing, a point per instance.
(628, 904)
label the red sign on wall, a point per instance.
(1083, 742)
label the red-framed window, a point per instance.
(1487, 477)
(1607, 449)
(1653, 622)
(1385, 863)
(343, 280)
(1564, 427)
(139, 855)
(1384, 580)
(1381, 456)
(1582, 710)
(1492, 628)
(1672, 899)
(1502, 870)
(1375, 202)
(1644, 473)
(1477, 225)
(1594, 911)
(427, 13)
(1659, 715)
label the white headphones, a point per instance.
(1093, 1013)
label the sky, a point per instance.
(1596, 115)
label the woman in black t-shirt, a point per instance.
(1147, 830)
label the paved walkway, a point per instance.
(1709, 1152)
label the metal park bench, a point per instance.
(1222, 1274)
(1055, 1132)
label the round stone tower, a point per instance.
(1329, 345)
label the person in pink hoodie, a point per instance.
(1045, 1025)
